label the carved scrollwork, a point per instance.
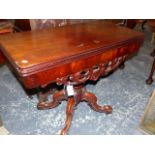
(92, 73)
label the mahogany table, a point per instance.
(69, 56)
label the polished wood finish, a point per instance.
(70, 55)
(80, 95)
(65, 50)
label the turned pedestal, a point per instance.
(80, 94)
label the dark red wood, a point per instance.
(22, 25)
(70, 55)
(1, 58)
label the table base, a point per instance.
(80, 94)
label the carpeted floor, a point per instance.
(125, 90)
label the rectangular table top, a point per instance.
(50, 47)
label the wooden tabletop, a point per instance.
(53, 46)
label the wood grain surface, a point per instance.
(44, 55)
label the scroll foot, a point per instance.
(92, 101)
(57, 98)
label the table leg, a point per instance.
(57, 98)
(69, 113)
(150, 79)
(80, 94)
(92, 101)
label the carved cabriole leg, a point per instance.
(69, 110)
(150, 79)
(92, 101)
(57, 98)
(82, 95)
